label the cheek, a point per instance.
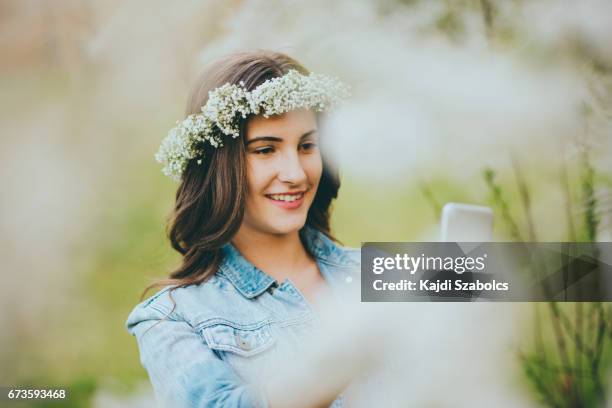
(258, 178)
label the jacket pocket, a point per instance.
(244, 341)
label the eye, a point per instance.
(264, 150)
(308, 146)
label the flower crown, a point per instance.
(227, 103)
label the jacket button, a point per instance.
(242, 343)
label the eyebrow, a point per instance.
(278, 139)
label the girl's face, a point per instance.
(284, 167)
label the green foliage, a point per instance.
(590, 202)
(498, 200)
(566, 367)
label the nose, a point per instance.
(291, 170)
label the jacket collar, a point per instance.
(252, 281)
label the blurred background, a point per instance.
(442, 90)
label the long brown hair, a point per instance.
(210, 199)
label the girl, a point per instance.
(251, 221)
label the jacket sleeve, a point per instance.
(183, 370)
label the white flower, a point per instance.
(229, 102)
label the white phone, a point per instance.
(466, 223)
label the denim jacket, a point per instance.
(200, 354)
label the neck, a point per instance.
(279, 255)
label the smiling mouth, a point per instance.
(287, 198)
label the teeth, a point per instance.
(286, 197)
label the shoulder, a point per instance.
(212, 301)
(155, 307)
(190, 304)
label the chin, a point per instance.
(287, 227)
